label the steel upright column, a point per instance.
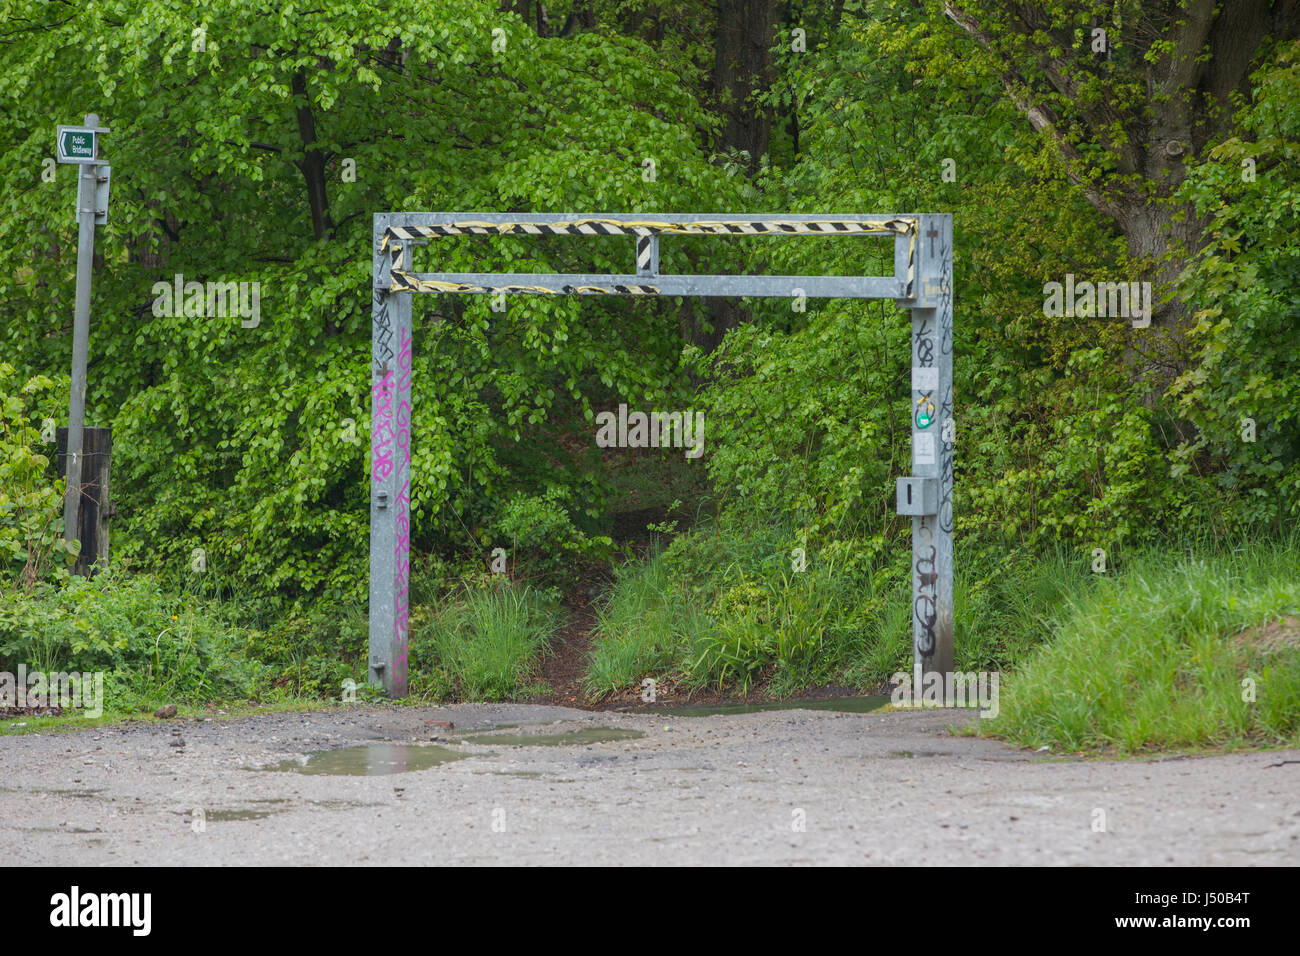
(933, 437)
(390, 474)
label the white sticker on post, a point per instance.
(923, 446)
(925, 379)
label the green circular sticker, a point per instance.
(924, 412)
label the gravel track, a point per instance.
(892, 788)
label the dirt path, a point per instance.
(776, 787)
(563, 668)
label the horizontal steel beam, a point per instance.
(514, 283)
(428, 224)
(398, 231)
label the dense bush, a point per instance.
(31, 501)
(153, 645)
(1242, 392)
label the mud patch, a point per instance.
(230, 815)
(69, 793)
(1272, 636)
(908, 754)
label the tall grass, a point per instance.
(724, 607)
(484, 644)
(1166, 654)
(641, 628)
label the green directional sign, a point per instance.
(77, 144)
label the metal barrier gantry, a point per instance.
(921, 282)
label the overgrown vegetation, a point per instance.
(724, 607)
(153, 646)
(255, 147)
(31, 503)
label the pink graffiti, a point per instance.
(402, 551)
(383, 456)
(400, 439)
(382, 428)
(399, 674)
(404, 361)
(404, 431)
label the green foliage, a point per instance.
(1160, 656)
(251, 442)
(1243, 391)
(786, 438)
(154, 646)
(31, 503)
(543, 539)
(236, 130)
(1054, 440)
(310, 651)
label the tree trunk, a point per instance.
(741, 69)
(313, 163)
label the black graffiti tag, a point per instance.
(383, 335)
(926, 605)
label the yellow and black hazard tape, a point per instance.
(408, 282)
(628, 227)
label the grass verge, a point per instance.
(1173, 653)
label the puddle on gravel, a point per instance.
(224, 816)
(493, 727)
(915, 753)
(371, 760)
(845, 705)
(589, 735)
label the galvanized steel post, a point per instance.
(390, 471)
(933, 437)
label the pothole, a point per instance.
(226, 816)
(916, 753)
(370, 760)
